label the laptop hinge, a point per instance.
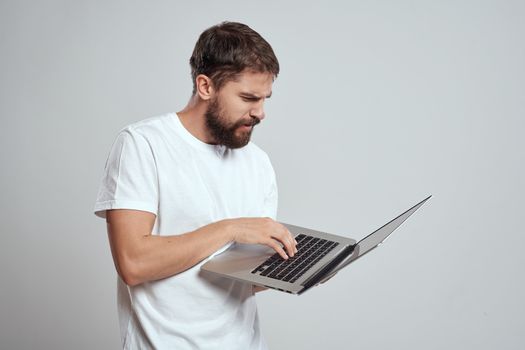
(319, 275)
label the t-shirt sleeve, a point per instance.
(271, 198)
(130, 177)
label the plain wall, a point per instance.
(378, 104)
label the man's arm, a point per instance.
(257, 289)
(140, 256)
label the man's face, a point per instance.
(237, 107)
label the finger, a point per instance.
(277, 247)
(291, 245)
(283, 237)
(294, 241)
(290, 236)
(292, 249)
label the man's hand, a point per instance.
(263, 231)
(257, 289)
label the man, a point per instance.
(181, 187)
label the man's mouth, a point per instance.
(250, 123)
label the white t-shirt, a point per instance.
(156, 165)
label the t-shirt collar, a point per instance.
(218, 150)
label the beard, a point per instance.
(226, 133)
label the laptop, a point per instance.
(319, 256)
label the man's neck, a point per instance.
(193, 119)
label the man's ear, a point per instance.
(204, 86)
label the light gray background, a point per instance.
(379, 103)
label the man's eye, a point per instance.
(250, 99)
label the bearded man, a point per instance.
(182, 187)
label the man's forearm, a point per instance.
(257, 289)
(156, 257)
(140, 256)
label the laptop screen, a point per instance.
(381, 234)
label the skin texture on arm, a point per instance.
(140, 256)
(257, 289)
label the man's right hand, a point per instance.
(263, 231)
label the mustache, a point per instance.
(252, 122)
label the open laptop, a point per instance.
(319, 256)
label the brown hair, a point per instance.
(223, 51)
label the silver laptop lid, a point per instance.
(381, 234)
(375, 239)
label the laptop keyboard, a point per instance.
(309, 251)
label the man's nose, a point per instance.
(258, 111)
